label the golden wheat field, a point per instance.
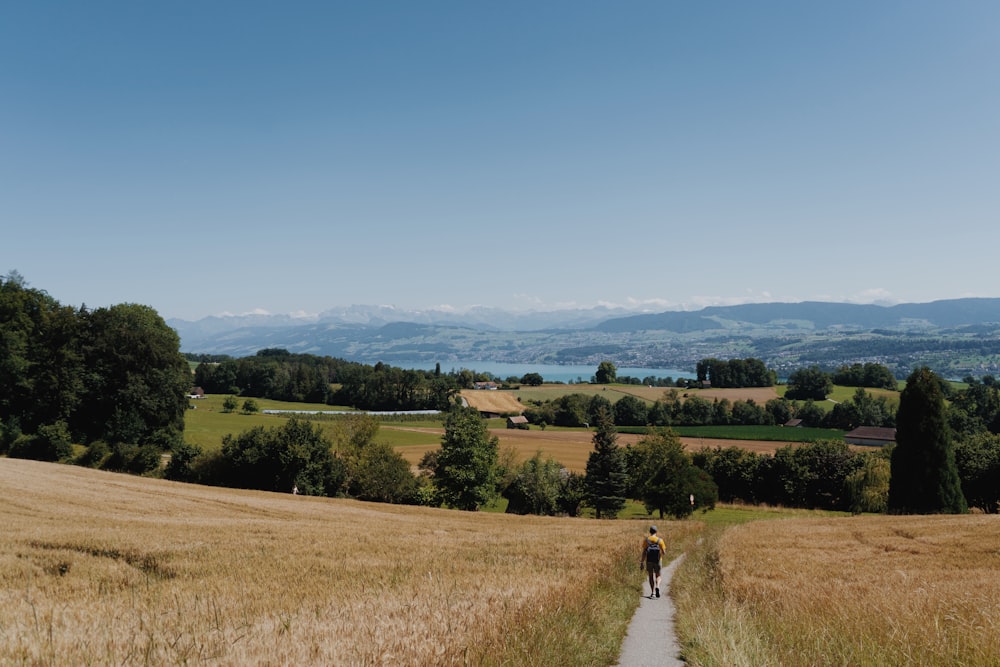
(500, 402)
(100, 568)
(873, 590)
(571, 448)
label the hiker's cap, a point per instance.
(652, 529)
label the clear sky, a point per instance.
(228, 156)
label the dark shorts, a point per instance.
(653, 568)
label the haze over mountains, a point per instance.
(782, 334)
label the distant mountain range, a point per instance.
(779, 333)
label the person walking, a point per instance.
(653, 550)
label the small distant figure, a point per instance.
(653, 549)
(295, 490)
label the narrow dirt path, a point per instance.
(651, 639)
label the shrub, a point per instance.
(181, 466)
(51, 443)
(383, 475)
(135, 459)
(95, 455)
(294, 454)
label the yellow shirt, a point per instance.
(650, 540)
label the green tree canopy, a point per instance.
(606, 373)
(294, 454)
(656, 469)
(809, 383)
(383, 475)
(41, 368)
(924, 476)
(868, 485)
(137, 380)
(978, 460)
(113, 374)
(734, 373)
(466, 470)
(865, 375)
(630, 411)
(532, 379)
(536, 487)
(607, 476)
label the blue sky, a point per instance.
(213, 157)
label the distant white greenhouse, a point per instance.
(351, 412)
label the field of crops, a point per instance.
(871, 590)
(207, 424)
(102, 568)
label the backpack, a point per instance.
(653, 550)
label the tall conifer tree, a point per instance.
(924, 476)
(607, 476)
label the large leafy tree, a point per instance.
(865, 375)
(862, 409)
(374, 470)
(809, 383)
(114, 374)
(466, 470)
(978, 460)
(137, 379)
(532, 379)
(664, 478)
(924, 476)
(40, 362)
(867, 487)
(977, 407)
(607, 373)
(572, 410)
(735, 373)
(607, 476)
(536, 487)
(383, 475)
(735, 470)
(630, 411)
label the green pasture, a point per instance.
(206, 428)
(841, 393)
(205, 424)
(401, 438)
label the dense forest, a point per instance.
(113, 375)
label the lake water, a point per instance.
(549, 372)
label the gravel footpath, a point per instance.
(650, 639)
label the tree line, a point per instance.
(110, 376)
(689, 409)
(280, 375)
(730, 373)
(946, 458)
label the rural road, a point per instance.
(650, 639)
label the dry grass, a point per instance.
(486, 400)
(850, 591)
(570, 447)
(99, 568)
